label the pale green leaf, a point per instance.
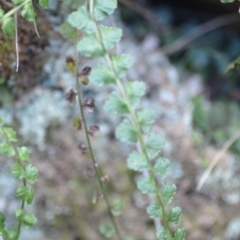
(137, 161)
(146, 117)
(161, 167)
(168, 191)
(18, 171)
(121, 63)
(29, 219)
(81, 20)
(162, 234)
(155, 210)
(135, 91)
(107, 230)
(44, 3)
(31, 173)
(89, 46)
(174, 215)
(19, 214)
(117, 207)
(8, 26)
(68, 31)
(28, 12)
(146, 185)
(115, 105)
(10, 133)
(24, 154)
(110, 36)
(180, 234)
(102, 76)
(154, 144)
(6, 149)
(25, 194)
(103, 8)
(126, 132)
(12, 233)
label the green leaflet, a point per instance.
(102, 76)
(8, 26)
(180, 234)
(6, 149)
(162, 234)
(25, 194)
(11, 233)
(90, 47)
(174, 215)
(155, 210)
(18, 171)
(121, 63)
(126, 132)
(10, 133)
(103, 8)
(68, 31)
(161, 167)
(31, 173)
(117, 207)
(29, 219)
(107, 230)
(81, 20)
(146, 185)
(24, 154)
(168, 191)
(28, 12)
(44, 3)
(110, 36)
(146, 117)
(137, 161)
(19, 213)
(135, 91)
(115, 105)
(154, 144)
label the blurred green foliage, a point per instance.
(217, 122)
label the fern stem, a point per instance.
(142, 146)
(92, 153)
(137, 127)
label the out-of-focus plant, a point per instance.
(97, 41)
(23, 171)
(26, 7)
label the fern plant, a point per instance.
(23, 171)
(97, 41)
(86, 107)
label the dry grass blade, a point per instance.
(16, 41)
(216, 159)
